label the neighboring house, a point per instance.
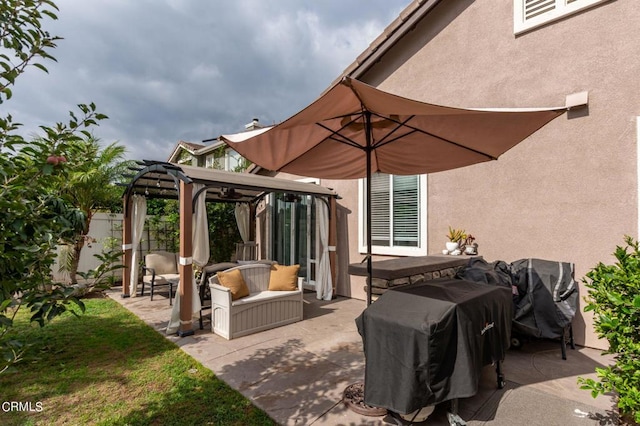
(214, 155)
(569, 192)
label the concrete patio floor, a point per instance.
(297, 373)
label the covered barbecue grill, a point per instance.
(427, 343)
(545, 296)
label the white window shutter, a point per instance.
(533, 8)
(406, 212)
(380, 210)
(529, 14)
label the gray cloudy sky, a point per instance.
(190, 70)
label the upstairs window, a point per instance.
(528, 14)
(227, 159)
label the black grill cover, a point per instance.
(547, 297)
(427, 343)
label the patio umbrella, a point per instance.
(354, 130)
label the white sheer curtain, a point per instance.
(138, 215)
(324, 285)
(243, 219)
(200, 229)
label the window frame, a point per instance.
(420, 250)
(223, 162)
(562, 9)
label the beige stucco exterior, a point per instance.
(569, 192)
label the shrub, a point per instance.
(614, 298)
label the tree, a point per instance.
(33, 217)
(24, 38)
(89, 185)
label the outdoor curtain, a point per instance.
(200, 229)
(324, 285)
(243, 219)
(139, 214)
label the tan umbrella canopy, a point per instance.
(354, 130)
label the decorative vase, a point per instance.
(470, 250)
(452, 245)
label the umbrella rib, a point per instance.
(414, 130)
(345, 140)
(341, 138)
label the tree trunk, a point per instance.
(77, 249)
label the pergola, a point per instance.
(175, 181)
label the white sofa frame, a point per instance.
(261, 310)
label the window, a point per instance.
(230, 161)
(234, 160)
(210, 162)
(528, 14)
(398, 215)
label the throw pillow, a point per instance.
(234, 281)
(284, 278)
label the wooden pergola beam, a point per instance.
(185, 266)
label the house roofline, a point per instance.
(392, 34)
(192, 148)
(181, 144)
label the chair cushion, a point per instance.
(161, 262)
(162, 279)
(234, 281)
(284, 278)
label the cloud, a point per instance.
(190, 70)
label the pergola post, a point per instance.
(185, 266)
(126, 246)
(252, 222)
(333, 239)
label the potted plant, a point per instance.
(456, 238)
(469, 246)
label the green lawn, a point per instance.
(109, 368)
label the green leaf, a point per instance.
(615, 298)
(42, 67)
(636, 302)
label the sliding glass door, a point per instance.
(293, 231)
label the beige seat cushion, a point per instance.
(284, 278)
(162, 262)
(162, 279)
(234, 281)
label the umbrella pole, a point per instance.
(368, 224)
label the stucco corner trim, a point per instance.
(638, 172)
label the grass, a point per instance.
(109, 368)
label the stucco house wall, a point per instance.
(569, 192)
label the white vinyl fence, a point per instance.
(106, 230)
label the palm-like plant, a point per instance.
(90, 186)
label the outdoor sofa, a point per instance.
(273, 299)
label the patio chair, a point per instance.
(161, 270)
(247, 251)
